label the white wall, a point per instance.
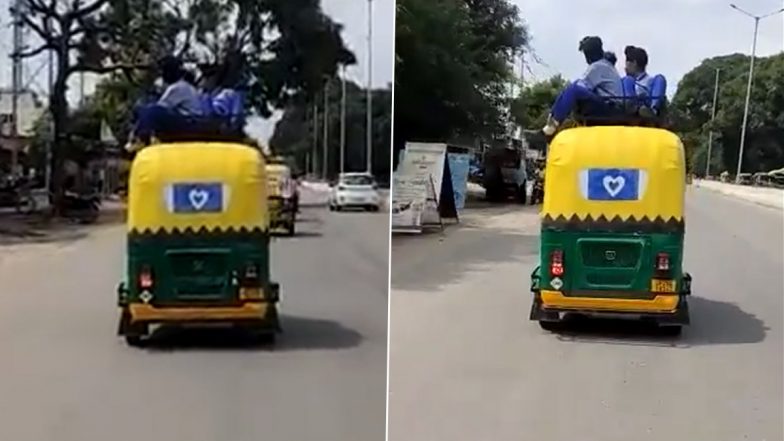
(30, 110)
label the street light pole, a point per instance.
(314, 155)
(757, 19)
(325, 156)
(343, 119)
(369, 91)
(713, 117)
(50, 141)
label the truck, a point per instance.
(505, 172)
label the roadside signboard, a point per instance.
(421, 196)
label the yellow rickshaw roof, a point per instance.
(615, 174)
(194, 186)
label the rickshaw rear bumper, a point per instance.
(548, 308)
(669, 309)
(247, 312)
(263, 309)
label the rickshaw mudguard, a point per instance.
(535, 279)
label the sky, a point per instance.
(352, 14)
(677, 34)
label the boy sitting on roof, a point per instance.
(596, 91)
(180, 101)
(648, 92)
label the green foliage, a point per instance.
(692, 105)
(284, 49)
(453, 67)
(295, 132)
(532, 106)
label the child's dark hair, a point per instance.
(638, 55)
(171, 70)
(189, 76)
(592, 48)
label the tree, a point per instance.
(453, 67)
(81, 42)
(691, 112)
(531, 108)
(284, 48)
(294, 133)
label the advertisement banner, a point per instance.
(423, 160)
(409, 197)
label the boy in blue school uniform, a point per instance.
(597, 91)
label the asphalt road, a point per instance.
(66, 376)
(466, 364)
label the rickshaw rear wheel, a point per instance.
(135, 341)
(267, 338)
(549, 326)
(261, 334)
(671, 330)
(134, 333)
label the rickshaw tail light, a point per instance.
(145, 278)
(662, 262)
(556, 263)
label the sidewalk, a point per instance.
(769, 197)
(18, 229)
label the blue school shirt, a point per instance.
(643, 83)
(182, 98)
(603, 79)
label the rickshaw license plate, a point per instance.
(250, 293)
(658, 285)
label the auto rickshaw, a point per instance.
(198, 240)
(612, 227)
(281, 197)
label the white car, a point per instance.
(355, 190)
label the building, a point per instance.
(29, 110)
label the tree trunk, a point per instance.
(59, 110)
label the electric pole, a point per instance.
(713, 117)
(343, 120)
(16, 82)
(369, 91)
(325, 140)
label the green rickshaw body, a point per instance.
(613, 226)
(198, 239)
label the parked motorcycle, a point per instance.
(16, 192)
(82, 207)
(537, 191)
